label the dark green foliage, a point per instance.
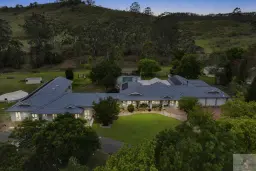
(41, 31)
(11, 54)
(251, 94)
(10, 158)
(148, 11)
(105, 73)
(189, 67)
(197, 144)
(148, 67)
(106, 111)
(69, 74)
(143, 105)
(139, 157)
(135, 7)
(244, 129)
(25, 132)
(6, 33)
(238, 108)
(235, 53)
(130, 108)
(188, 103)
(109, 81)
(61, 139)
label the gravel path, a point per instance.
(109, 145)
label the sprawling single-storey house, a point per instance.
(56, 97)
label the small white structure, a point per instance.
(153, 81)
(35, 80)
(13, 96)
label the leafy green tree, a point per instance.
(165, 36)
(237, 108)
(251, 94)
(243, 71)
(61, 139)
(190, 67)
(148, 11)
(135, 7)
(244, 129)
(106, 111)
(25, 131)
(197, 144)
(14, 55)
(90, 2)
(69, 74)
(6, 33)
(148, 50)
(139, 157)
(10, 158)
(41, 31)
(73, 165)
(103, 69)
(237, 10)
(109, 81)
(130, 108)
(188, 103)
(148, 67)
(235, 53)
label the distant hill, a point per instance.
(212, 33)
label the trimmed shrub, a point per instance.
(130, 108)
(143, 105)
(69, 74)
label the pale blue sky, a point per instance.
(159, 6)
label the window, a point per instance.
(34, 115)
(54, 116)
(77, 116)
(18, 116)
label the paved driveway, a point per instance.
(4, 136)
(110, 146)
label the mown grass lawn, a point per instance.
(13, 81)
(135, 128)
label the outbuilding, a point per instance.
(35, 80)
(13, 96)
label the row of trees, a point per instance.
(51, 40)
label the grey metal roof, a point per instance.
(43, 95)
(52, 97)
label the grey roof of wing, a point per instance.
(198, 83)
(44, 95)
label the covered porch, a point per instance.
(150, 104)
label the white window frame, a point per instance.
(77, 116)
(54, 116)
(18, 116)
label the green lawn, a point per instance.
(15, 83)
(135, 128)
(208, 80)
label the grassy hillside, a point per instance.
(210, 34)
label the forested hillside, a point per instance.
(78, 30)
